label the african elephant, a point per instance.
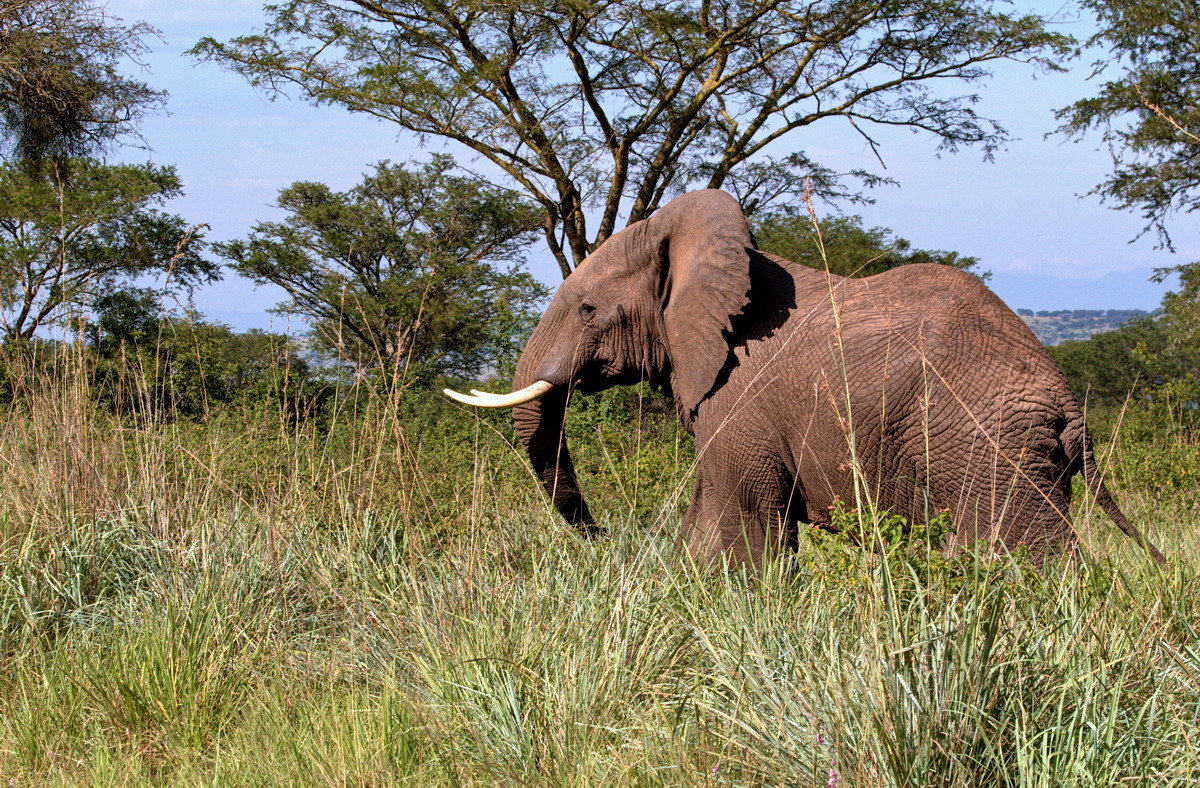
(917, 388)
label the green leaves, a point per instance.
(1149, 113)
(846, 247)
(71, 232)
(413, 270)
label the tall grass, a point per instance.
(384, 597)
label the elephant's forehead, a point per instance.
(599, 270)
(596, 264)
(569, 289)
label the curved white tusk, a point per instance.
(484, 399)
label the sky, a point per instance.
(1026, 214)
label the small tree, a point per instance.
(63, 244)
(850, 249)
(62, 90)
(611, 106)
(412, 270)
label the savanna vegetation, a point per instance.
(244, 558)
(374, 592)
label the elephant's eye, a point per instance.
(586, 310)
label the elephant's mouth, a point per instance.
(484, 399)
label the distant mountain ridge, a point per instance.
(1053, 327)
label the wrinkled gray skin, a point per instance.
(778, 370)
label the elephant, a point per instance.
(915, 389)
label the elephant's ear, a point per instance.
(706, 246)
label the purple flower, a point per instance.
(833, 778)
(820, 740)
(715, 770)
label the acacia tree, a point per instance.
(412, 270)
(62, 243)
(605, 107)
(63, 93)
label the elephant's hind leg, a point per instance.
(1028, 508)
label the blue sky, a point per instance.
(1025, 214)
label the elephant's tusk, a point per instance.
(484, 399)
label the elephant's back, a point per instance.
(990, 397)
(951, 325)
(893, 335)
(940, 301)
(925, 319)
(942, 389)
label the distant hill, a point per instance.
(1059, 325)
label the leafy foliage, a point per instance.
(1114, 365)
(64, 243)
(889, 532)
(1155, 444)
(1181, 312)
(1150, 112)
(612, 106)
(846, 246)
(62, 90)
(1154, 358)
(908, 551)
(184, 366)
(413, 270)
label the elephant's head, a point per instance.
(651, 303)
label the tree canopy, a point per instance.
(601, 109)
(1149, 111)
(846, 246)
(64, 244)
(63, 93)
(413, 269)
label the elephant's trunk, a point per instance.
(539, 425)
(541, 388)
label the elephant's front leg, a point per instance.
(744, 509)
